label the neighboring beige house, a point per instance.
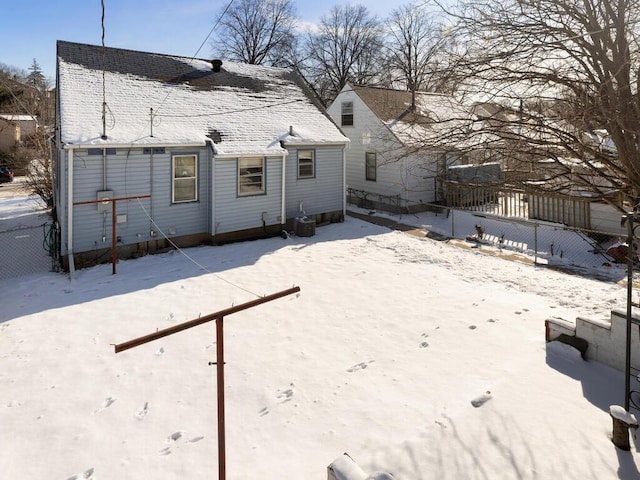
(14, 129)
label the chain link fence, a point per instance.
(596, 253)
(28, 250)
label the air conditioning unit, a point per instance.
(304, 226)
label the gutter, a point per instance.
(344, 181)
(79, 146)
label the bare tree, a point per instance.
(555, 83)
(416, 49)
(346, 47)
(260, 32)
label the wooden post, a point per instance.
(622, 420)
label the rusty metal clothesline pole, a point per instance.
(114, 253)
(219, 319)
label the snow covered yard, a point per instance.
(415, 357)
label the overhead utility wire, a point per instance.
(191, 259)
(197, 51)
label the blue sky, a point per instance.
(29, 28)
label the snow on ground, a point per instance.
(414, 356)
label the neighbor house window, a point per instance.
(185, 179)
(347, 114)
(250, 176)
(370, 166)
(306, 164)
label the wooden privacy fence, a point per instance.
(511, 202)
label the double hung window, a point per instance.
(250, 176)
(185, 178)
(306, 164)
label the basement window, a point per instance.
(185, 178)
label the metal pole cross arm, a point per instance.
(114, 254)
(199, 321)
(219, 318)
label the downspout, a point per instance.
(344, 181)
(212, 189)
(72, 268)
(283, 208)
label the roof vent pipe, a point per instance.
(216, 64)
(291, 130)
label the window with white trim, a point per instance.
(306, 164)
(251, 176)
(185, 178)
(347, 114)
(370, 166)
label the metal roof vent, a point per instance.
(216, 65)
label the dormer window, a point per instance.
(347, 114)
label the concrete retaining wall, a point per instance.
(606, 339)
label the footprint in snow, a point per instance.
(140, 414)
(359, 366)
(286, 395)
(86, 475)
(105, 404)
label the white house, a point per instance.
(390, 163)
(188, 150)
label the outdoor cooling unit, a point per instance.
(304, 226)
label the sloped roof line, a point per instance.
(251, 106)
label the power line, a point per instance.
(231, 111)
(182, 252)
(197, 51)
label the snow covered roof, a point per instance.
(243, 109)
(433, 113)
(10, 117)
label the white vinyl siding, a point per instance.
(324, 192)
(411, 177)
(185, 179)
(233, 213)
(131, 173)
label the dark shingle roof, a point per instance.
(250, 107)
